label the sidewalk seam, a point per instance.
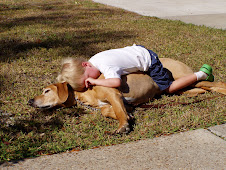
(223, 138)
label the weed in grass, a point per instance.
(34, 37)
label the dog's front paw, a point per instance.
(130, 116)
(125, 129)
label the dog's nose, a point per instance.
(30, 102)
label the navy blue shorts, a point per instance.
(158, 73)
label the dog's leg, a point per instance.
(210, 84)
(108, 111)
(219, 87)
(114, 97)
(204, 86)
(192, 92)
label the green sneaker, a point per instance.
(208, 70)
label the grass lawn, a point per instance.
(34, 37)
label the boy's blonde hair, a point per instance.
(71, 72)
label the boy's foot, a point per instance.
(208, 70)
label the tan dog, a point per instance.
(136, 88)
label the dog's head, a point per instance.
(59, 94)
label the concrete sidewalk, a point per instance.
(211, 13)
(198, 149)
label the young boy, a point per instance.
(80, 73)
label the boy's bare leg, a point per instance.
(205, 73)
(181, 83)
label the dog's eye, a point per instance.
(46, 91)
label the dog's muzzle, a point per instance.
(31, 103)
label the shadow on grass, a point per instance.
(2, 78)
(38, 122)
(24, 5)
(82, 41)
(83, 44)
(20, 136)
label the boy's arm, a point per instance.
(111, 82)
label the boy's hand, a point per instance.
(90, 82)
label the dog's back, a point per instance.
(176, 68)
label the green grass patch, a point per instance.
(35, 36)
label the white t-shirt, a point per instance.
(116, 62)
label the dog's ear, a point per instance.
(62, 90)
